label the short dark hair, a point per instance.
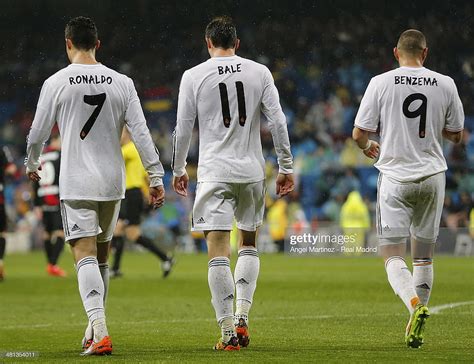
(412, 41)
(82, 32)
(222, 32)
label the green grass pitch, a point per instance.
(306, 309)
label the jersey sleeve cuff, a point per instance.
(454, 130)
(156, 182)
(285, 170)
(365, 128)
(179, 172)
(31, 167)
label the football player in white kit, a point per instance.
(414, 108)
(227, 94)
(91, 104)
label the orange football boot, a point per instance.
(54, 270)
(231, 345)
(103, 347)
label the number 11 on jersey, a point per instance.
(240, 102)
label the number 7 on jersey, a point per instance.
(93, 100)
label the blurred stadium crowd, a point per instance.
(321, 59)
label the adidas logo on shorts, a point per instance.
(75, 228)
(201, 221)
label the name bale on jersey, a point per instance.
(90, 79)
(416, 81)
(233, 68)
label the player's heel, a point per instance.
(242, 331)
(231, 345)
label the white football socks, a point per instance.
(423, 278)
(221, 285)
(100, 329)
(91, 289)
(245, 275)
(104, 272)
(401, 280)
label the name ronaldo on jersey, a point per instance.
(90, 79)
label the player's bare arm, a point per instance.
(455, 137)
(369, 147)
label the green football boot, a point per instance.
(416, 326)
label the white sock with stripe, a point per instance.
(91, 289)
(222, 288)
(423, 278)
(104, 272)
(245, 275)
(401, 280)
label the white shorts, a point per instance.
(83, 218)
(217, 203)
(407, 209)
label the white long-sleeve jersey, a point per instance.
(228, 95)
(413, 106)
(91, 104)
